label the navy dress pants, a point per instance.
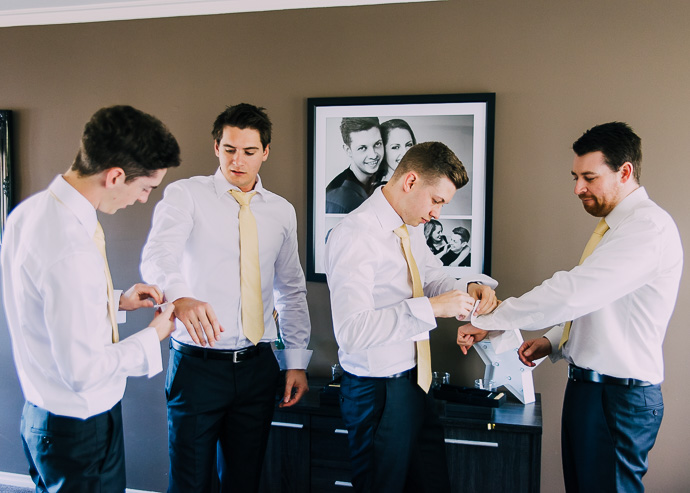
(607, 432)
(395, 437)
(72, 455)
(219, 418)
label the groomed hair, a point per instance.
(243, 116)
(617, 142)
(432, 160)
(463, 233)
(349, 125)
(127, 138)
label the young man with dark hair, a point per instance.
(61, 308)
(363, 144)
(620, 300)
(221, 247)
(387, 289)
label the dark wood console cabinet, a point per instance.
(497, 450)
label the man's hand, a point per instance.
(138, 297)
(163, 322)
(534, 349)
(295, 387)
(486, 295)
(199, 319)
(453, 303)
(468, 334)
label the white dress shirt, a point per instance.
(620, 299)
(375, 317)
(56, 302)
(193, 250)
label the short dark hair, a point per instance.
(243, 116)
(433, 160)
(617, 142)
(127, 138)
(463, 233)
(350, 125)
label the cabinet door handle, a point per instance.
(347, 484)
(340, 431)
(282, 424)
(455, 441)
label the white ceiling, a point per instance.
(42, 12)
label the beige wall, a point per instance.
(557, 68)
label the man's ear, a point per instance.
(114, 176)
(410, 180)
(626, 171)
(267, 149)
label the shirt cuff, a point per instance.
(152, 350)
(554, 336)
(177, 291)
(420, 308)
(120, 315)
(461, 284)
(293, 359)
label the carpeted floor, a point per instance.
(4, 488)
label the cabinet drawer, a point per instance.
(286, 464)
(331, 479)
(329, 441)
(492, 460)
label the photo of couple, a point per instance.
(356, 144)
(453, 247)
(374, 150)
(372, 147)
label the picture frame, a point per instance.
(7, 191)
(464, 122)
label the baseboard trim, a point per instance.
(24, 481)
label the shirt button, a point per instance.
(46, 440)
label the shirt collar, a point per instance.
(625, 206)
(223, 186)
(79, 205)
(384, 212)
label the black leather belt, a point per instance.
(576, 373)
(402, 374)
(234, 355)
(411, 373)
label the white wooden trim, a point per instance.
(149, 9)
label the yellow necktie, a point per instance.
(99, 239)
(423, 348)
(250, 271)
(594, 240)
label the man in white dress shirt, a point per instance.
(220, 387)
(56, 299)
(620, 300)
(395, 438)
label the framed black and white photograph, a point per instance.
(6, 200)
(355, 144)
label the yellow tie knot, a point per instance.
(242, 198)
(401, 232)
